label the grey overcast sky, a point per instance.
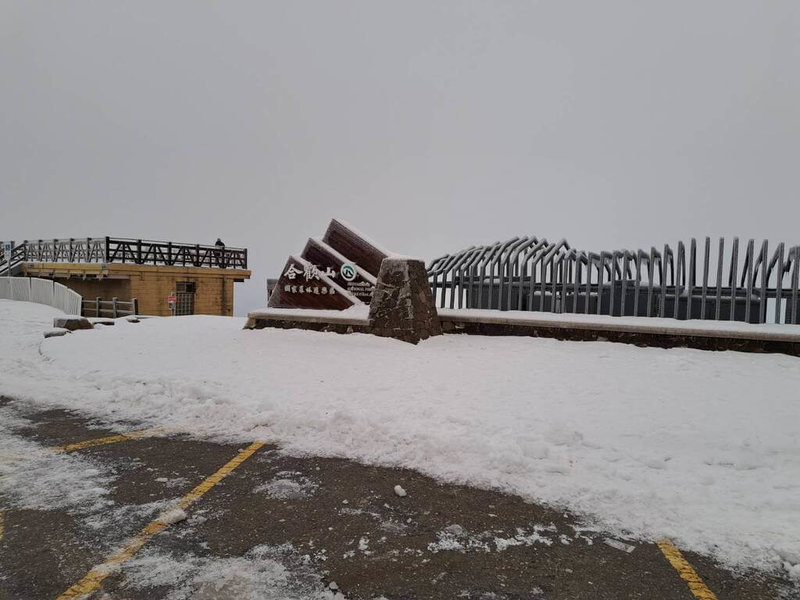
(431, 126)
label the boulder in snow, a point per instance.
(108, 322)
(72, 322)
(57, 332)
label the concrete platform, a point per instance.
(352, 320)
(644, 331)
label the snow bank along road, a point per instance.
(146, 516)
(699, 447)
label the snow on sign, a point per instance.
(172, 299)
(332, 273)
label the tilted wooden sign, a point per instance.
(333, 273)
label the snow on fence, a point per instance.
(41, 291)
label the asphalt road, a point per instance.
(278, 526)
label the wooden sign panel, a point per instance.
(348, 275)
(355, 247)
(334, 273)
(302, 285)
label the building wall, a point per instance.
(150, 285)
(99, 288)
(213, 292)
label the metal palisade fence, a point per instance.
(719, 281)
(42, 291)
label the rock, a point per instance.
(108, 322)
(332, 585)
(58, 332)
(72, 323)
(400, 491)
(402, 304)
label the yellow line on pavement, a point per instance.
(685, 570)
(95, 577)
(113, 439)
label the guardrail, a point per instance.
(525, 273)
(110, 308)
(132, 251)
(41, 291)
(12, 262)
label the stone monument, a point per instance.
(346, 270)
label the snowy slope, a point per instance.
(699, 446)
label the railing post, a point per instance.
(97, 307)
(114, 306)
(135, 303)
(197, 255)
(107, 250)
(138, 252)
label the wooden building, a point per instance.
(164, 278)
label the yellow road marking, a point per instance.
(685, 570)
(113, 439)
(95, 577)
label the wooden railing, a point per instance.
(133, 251)
(110, 308)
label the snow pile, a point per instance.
(701, 447)
(264, 573)
(173, 515)
(288, 485)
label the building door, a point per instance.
(185, 298)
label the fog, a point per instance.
(430, 126)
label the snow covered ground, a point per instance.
(702, 447)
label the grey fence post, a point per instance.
(114, 306)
